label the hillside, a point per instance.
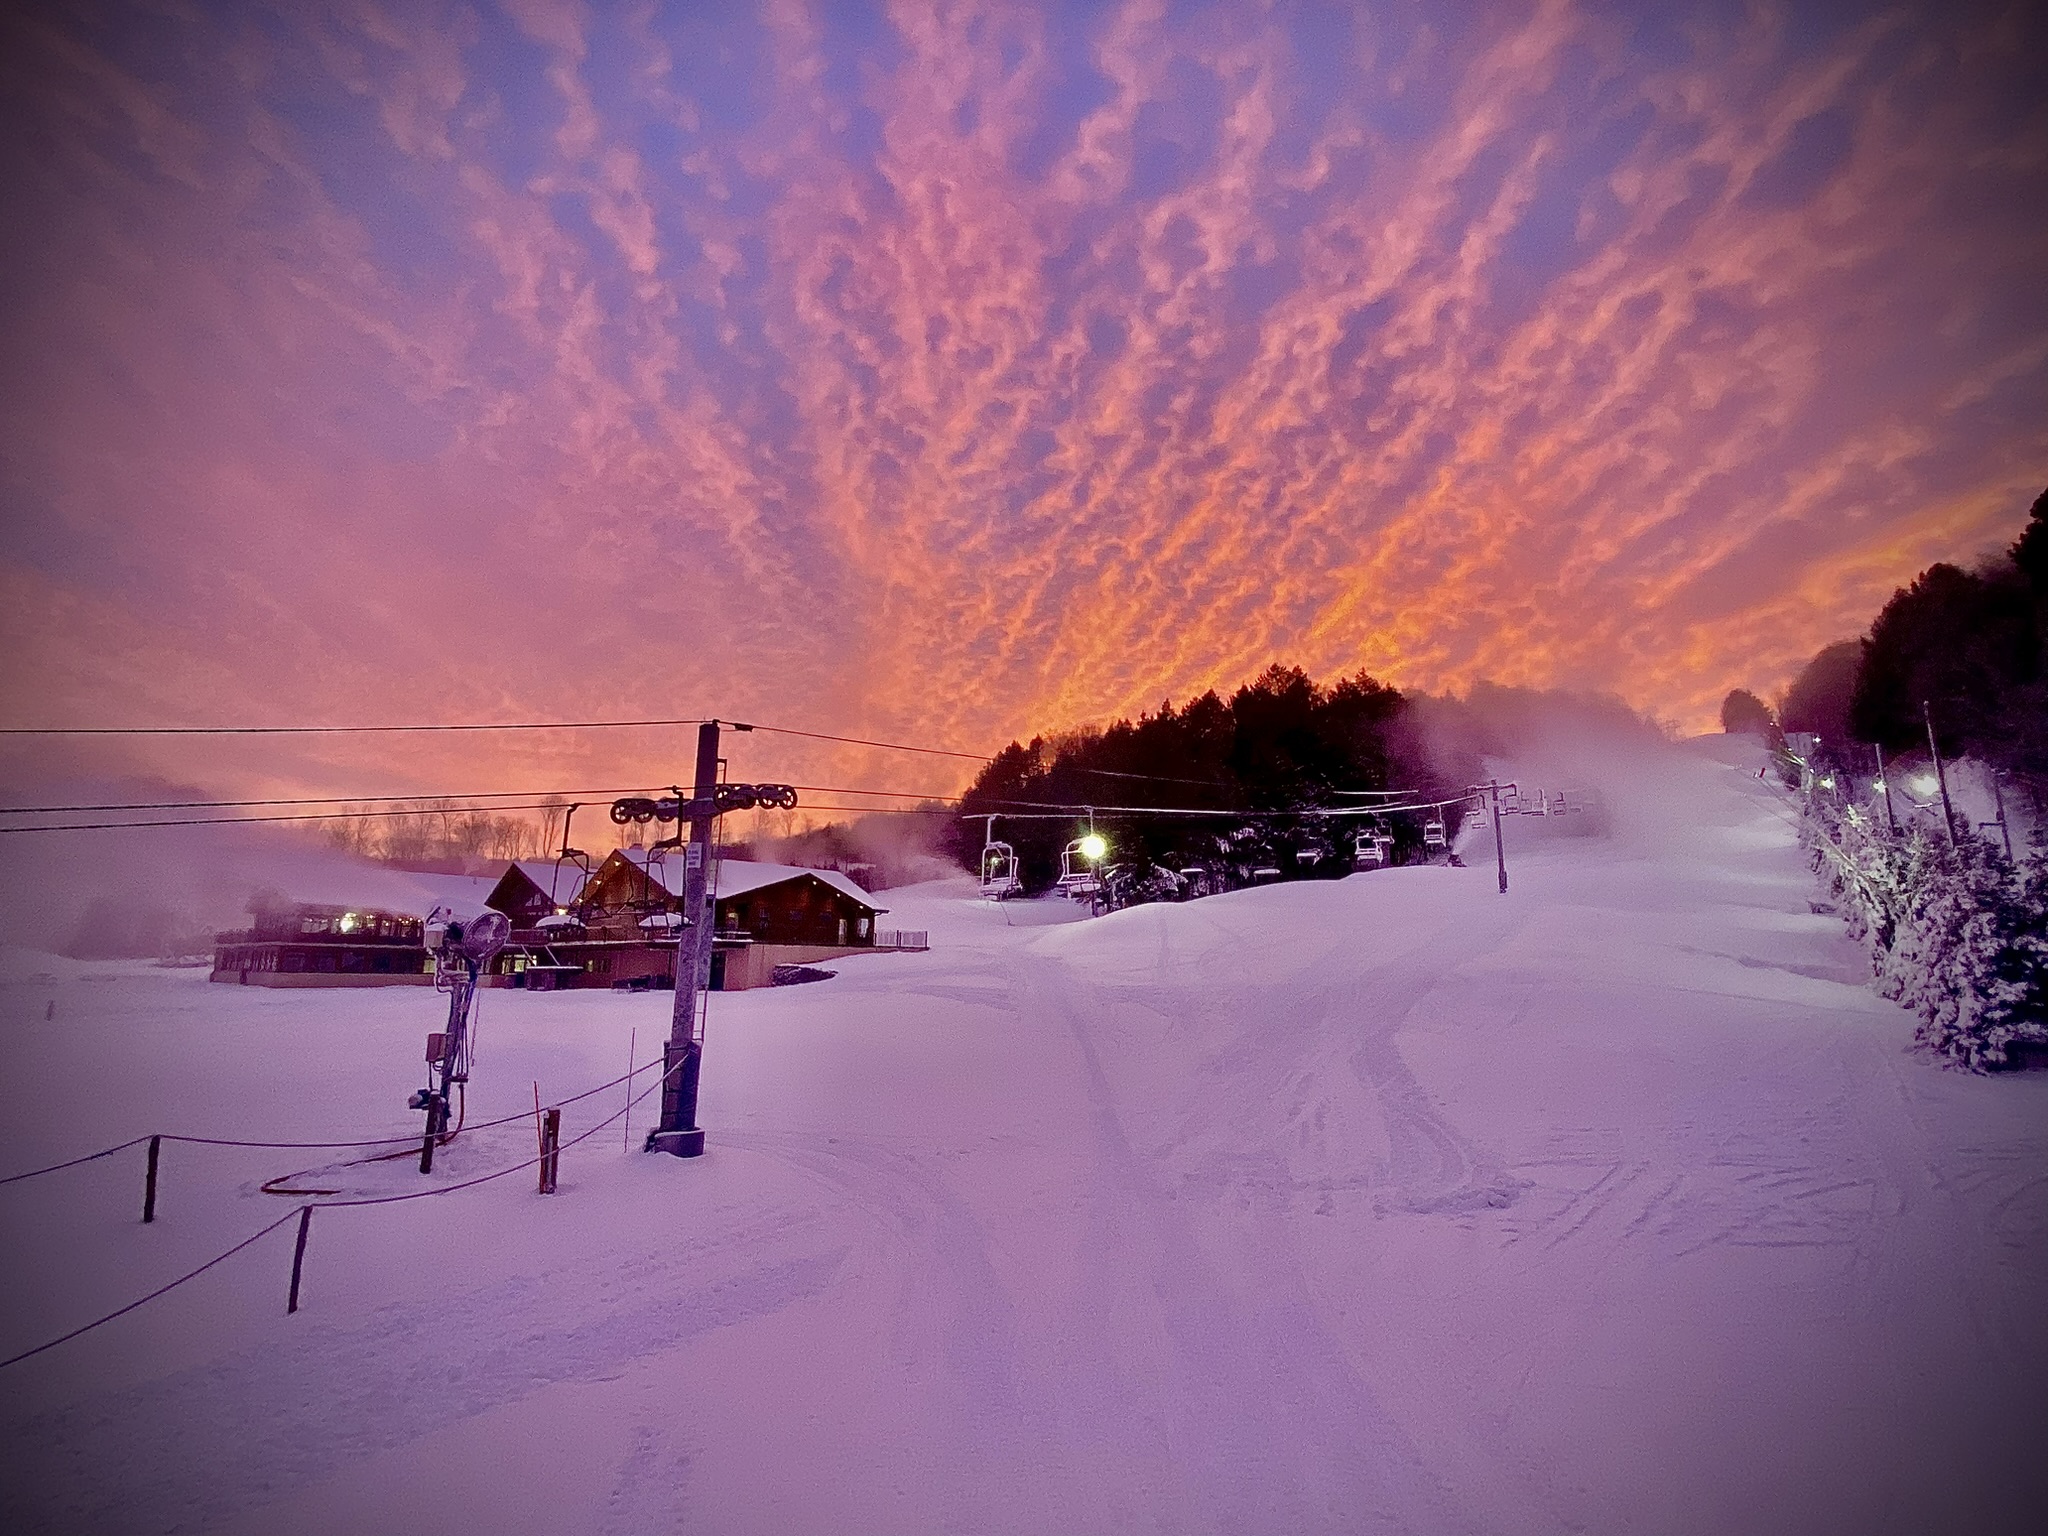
(1617, 1203)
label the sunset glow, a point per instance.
(948, 373)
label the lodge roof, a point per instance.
(563, 880)
(739, 877)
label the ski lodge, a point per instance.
(614, 926)
(311, 945)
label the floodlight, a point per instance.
(1094, 846)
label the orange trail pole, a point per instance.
(632, 1040)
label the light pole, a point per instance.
(1884, 783)
(1998, 799)
(1948, 813)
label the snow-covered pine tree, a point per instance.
(1957, 934)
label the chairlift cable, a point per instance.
(232, 821)
(423, 809)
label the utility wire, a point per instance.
(422, 809)
(1149, 778)
(331, 730)
(861, 741)
(1048, 811)
(234, 821)
(495, 725)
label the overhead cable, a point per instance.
(332, 730)
(414, 800)
(861, 741)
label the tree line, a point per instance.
(1282, 752)
(1970, 646)
(447, 834)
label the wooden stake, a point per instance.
(550, 1150)
(149, 1180)
(299, 1258)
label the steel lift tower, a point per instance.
(678, 1132)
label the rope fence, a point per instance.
(302, 1146)
(98, 1322)
(546, 1160)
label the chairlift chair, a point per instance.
(999, 877)
(1371, 853)
(1433, 835)
(1078, 875)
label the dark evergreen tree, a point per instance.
(1743, 713)
(1965, 644)
(1819, 698)
(2030, 554)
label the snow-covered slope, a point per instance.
(1616, 1203)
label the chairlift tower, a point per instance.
(1493, 789)
(677, 1131)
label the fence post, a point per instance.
(550, 1150)
(299, 1258)
(149, 1180)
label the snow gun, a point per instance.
(459, 951)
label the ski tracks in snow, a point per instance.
(1244, 1383)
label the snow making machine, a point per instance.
(460, 951)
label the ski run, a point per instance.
(1616, 1204)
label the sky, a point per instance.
(948, 373)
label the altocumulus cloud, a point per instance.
(949, 371)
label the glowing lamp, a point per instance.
(1925, 784)
(1827, 783)
(348, 922)
(1094, 846)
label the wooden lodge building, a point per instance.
(310, 945)
(621, 930)
(614, 926)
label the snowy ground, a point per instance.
(1616, 1204)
